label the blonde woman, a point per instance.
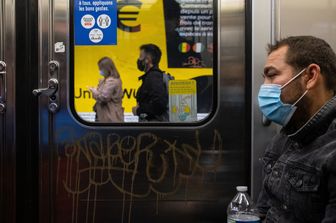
(108, 94)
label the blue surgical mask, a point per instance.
(101, 72)
(271, 105)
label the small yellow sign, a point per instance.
(182, 87)
(182, 101)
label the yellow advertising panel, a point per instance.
(142, 22)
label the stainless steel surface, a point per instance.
(262, 34)
(7, 119)
(2, 67)
(275, 20)
(2, 87)
(2, 108)
(53, 68)
(2, 26)
(48, 22)
(53, 107)
(210, 186)
(309, 17)
(2, 124)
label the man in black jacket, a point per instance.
(300, 162)
(152, 96)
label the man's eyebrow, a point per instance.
(269, 68)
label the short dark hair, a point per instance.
(154, 51)
(305, 50)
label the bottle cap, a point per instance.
(242, 188)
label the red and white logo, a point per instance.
(88, 21)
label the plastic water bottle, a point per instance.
(240, 210)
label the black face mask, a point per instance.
(141, 65)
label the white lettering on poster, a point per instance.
(94, 6)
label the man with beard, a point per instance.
(300, 163)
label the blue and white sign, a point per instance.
(95, 22)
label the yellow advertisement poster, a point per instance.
(142, 22)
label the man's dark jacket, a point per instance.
(152, 96)
(300, 172)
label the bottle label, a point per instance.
(253, 220)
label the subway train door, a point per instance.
(139, 172)
(7, 111)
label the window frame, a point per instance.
(215, 85)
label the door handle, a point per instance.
(52, 90)
(49, 91)
(2, 87)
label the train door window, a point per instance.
(117, 72)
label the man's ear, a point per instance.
(313, 75)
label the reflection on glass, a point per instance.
(183, 32)
(108, 94)
(152, 95)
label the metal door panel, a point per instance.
(265, 30)
(310, 17)
(7, 110)
(142, 173)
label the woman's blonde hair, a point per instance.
(109, 66)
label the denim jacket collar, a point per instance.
(317, 125)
